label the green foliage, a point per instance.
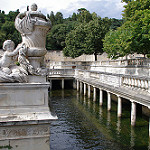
(134, 35)
(56, 37)
(115, 23)
(58, 18)
(52, 18)
(87, 38)
(117, 43)
(134, 6)
(84, 15)
(7, 28)
(74, 42)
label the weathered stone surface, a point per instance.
(24, 101)
(25, 137)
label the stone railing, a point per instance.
(136, 82)
(60, 72)
(116, 80)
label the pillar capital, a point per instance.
(133, 101)
(118, 95)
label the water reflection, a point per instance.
(132, 141)
(100, 113)
(83, 124)
(108, 120)
(118, 126)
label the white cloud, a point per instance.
(103, 8)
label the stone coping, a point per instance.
(24, 85)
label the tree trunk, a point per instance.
(95, 56)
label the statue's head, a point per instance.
(8, 45)
(34, 7)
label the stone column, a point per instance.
(133, 113)
(109, 101)
(78, 85)
(89, 91)
(100, 97)
(81, 87)
(119, 106)
(62, 83)
(50, 84)
(94, 93)
(84, 88)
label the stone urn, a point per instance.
(33, 26)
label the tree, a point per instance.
(134, 35)
(115, 23)
(126, 1)
(52, 18)
(95, 33)
(74, 42)
(59, 18)
(134, 6)
(74, 17)
(118, 43)
(140, 26)
(84, 15)
(56, 37)
(87, 38)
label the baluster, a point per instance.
(136, 82)
(129, 82)
(139, 83)
(142, 84)
(146, 84)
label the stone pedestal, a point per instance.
(25, 115)
(24, 102)
(31, 135)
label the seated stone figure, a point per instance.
(7, 58)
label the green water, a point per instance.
(83, 124)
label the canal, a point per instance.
(83, 124)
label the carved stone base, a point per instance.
(25, 137)
(24, 102)
(25, 115)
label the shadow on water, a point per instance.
(83, 124)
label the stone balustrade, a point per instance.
(61, 72)
(137, 83)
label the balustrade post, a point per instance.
(84, 88)
(94, 93)
(100, 97)
(133, 113)
(109, 101)
(119, 106)
(89, 91)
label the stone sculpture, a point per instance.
(33, 26)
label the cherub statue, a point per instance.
(7, 59)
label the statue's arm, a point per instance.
(15, 52)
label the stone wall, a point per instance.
(57, 55)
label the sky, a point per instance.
(103, 8)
